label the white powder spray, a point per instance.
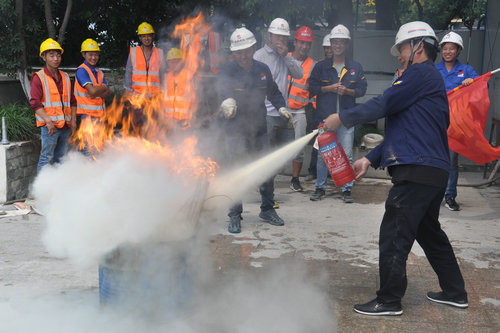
(235, 184)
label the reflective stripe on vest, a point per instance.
(176, 95)
(57, 108)
(146, 79)
(86, 104)
(298, 96)
(214, 51)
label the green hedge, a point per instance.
(20, 122)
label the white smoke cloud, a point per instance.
(127, 196)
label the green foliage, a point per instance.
(9, 52)
(20, 122)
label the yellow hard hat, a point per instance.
(50, 44)
(145, 28)
(174, 53)
(90, 45)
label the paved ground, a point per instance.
(302, 277)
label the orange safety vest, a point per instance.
(298, 91)
(85, 104)
(177, 95)
(59, 110)
(214, 51)
(146, 79)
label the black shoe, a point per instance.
(347, 197)
(271, 217)
(234, 226)
(374, 308)
(452, 205)
(440, 297)
(317, 195)
(295, 185)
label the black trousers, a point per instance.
(411, 213)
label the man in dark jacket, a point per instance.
(415, 151)
(244, 84)
(336, 82)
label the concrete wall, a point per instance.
(18, 162)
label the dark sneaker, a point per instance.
(451, 204)
(295, 185)
(271, 217)
(347, 197)
(440, 297)
(317, 195)
(234, 224)
(374, 308)
(276, 205)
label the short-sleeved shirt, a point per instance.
(83, 77)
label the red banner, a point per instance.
(469, 107)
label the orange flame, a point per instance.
(161, 118)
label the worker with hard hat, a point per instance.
(336, 83)
(244, 84)
(177, 89)
(454, 74)
(327, 47)
(276, 56)
(298, 96)
(145, 63)
(90, 87)
(54, 104)
(415, 152)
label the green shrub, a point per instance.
(20, 122)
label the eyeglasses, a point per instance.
(338, 41)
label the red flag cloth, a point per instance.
(469, 107)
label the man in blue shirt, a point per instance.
(415, 151)
(243, 85)
(454, 74)
(336, 82)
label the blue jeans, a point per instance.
(239, 149)
(346, 138)
(451, 189)
(54, 146)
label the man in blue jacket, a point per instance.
(244, 85)
(336, 82)
(415, 151)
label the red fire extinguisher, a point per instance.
(335, 157)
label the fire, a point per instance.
(159, 128)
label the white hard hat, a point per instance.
(279, 26)
(452, 37)
(326, 40)
(340, 31)
(241, 39)
(413, 30)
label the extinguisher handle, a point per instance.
(321, 129)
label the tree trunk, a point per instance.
(22, 73)
(49, 21)
(62, 30)
(385, 14)
(420, 9)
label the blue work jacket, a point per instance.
(417, 119)
(324, 74)
(458, 73)
(250, 90)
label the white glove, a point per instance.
(228, 108)
(286, 115)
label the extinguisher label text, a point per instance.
(328, 147)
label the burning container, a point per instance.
(157, 277)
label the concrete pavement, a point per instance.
(327, 247)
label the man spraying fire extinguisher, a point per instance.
(415, 151)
